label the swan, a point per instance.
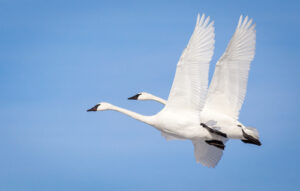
(180, 118)
(228, 87)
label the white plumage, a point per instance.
(206, 154)
(229, 83)
(190, 103)
(191, 79)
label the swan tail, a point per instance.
(252, 131)
(251, 136)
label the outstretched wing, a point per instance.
(206, 154)
(190, 83)
(228, 87)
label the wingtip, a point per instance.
(201, 19)
(208, 18)
(240, 21)
(205, 24)
(211, 23)
(246, 22)
(198, 18)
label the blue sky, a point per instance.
(58, 58)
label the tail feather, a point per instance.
(252, 131)
(251, 136)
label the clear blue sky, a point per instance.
(58, 58)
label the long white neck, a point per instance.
(158, 99)
(142, 118)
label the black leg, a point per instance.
(211, 130)
(216, 143)
(250, 139)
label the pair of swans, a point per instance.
(206, 116)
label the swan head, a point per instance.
(100, 107)
(141, 96)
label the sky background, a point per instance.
(59, 58)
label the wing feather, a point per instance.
(229, 84)
(191, 78)
(207, 155)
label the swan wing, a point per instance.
(191, 78)
(206, 154)
(229, 83)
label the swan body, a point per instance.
(225, 123)
(190, 103)
(183, 124)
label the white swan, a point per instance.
(180, 118)
(228, 87)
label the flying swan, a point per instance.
(206, 117)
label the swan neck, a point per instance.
(142, 118)
(160, 100)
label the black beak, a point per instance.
(135, 97)
(93, 108)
